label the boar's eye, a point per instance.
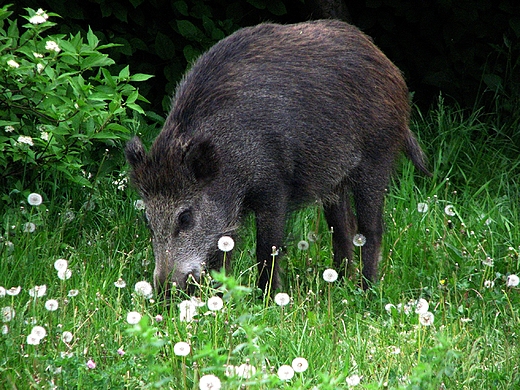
(184, 220)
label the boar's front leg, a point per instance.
(270, 223)
(341, 220)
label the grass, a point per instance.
(341, 330)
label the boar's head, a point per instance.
(184, 208)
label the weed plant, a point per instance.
(443, 315)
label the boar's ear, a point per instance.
(134, 152)
(201, 159)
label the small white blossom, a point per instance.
(13, 64)
(52, 46)
(39, 18)
(181, 348)
(489, 262)
(25, 139)
(389, 307)
(489, 284)
(225, 243)
(34, 199)
(9, 129)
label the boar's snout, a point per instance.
(165, 281)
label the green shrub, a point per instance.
(61, 109)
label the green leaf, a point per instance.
(277, 8)
(140, 77)
(182, 7)
(259, 4)
(96, 60)
(164, 46)
(92, 39)
(116, 127)
(188, 30)
(135, 107)
(125, 72)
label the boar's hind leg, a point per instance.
(270, 223)
(343, 223)
(368, 200)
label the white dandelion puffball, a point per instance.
(144, 288)
(39, 331)
(64, 274)
(38, 291)
(187, 310)
(513, 280)
(32, 339)
(421, 306)
(215, 303)
(282, 299)
(225, 243)
(73, 293)
(8, 313)
(29, 227)
(359, 240)
(389, 307)
(61, 264)
(426, 319)
(353, 380)
(52, 305)
(2, 292)
(209, 382)
(139, 204)
(14, 291)
(422, 207)
(120, 283)
(303, 245)
(300, 364)
(449, 210)
(133, 317)
(34, 199)
(245, 371)
(67, 337)
(285, 372)
(181, 349)
(330, 275)
(489, 284)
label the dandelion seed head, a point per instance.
(51, 305)
(389, 307)
(512, 280)
(73, 293)
(14, 291)
(61, 264)
(303, 245)
(38, 291)
(489, 283)
(421, 306)
(359, 240)
(8, 313)
(33, 339)
(209, 382)
(29, 227)
(353, 380)
(139, 204)
(285, 372)
(34, 199)
(91, 364)
(282, 299)
(187, 310)
(120, 283)
(67, 337)
(144, 289)
(5, 329)
(330, 275)
(225, 243)
(449, 210)
(215, 303)
(181, 349)
(245, 371)
(426, 319)
(39, 331)
(422, 207)
(300, 364)
(133, 317)
(64, 274)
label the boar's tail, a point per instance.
(415, 153)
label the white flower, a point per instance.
(64, 274)
(489, 262)
(426, 319)
(51, 305)
(512, 280)
(449, 210)
(43, 135)
(353, 380)
(144, 288)
(29, 227)
(395, 350)
(422, 207)
(300, 364)
(61, 264)
(52, 46)
(8, 313)
(133, 317)
(34, 199)
(120, 283)
(245, 370)
(39, 331)
(188, 310)
(359, 240)
(25, 139)
(181, 348)
(421, 306)
(285, 372)
(39, 18)
(5, 329)
(13, 291)
(38, 291)
(139, 204)
(32, 339)
(2, 292)
(215, 303)
(209, 382)
(282, 299)
(303, 245)
(330, 275)
(67, 337)
(73, 293)
(389, 307)
(225, 243)
(9, 129)
(13, 64)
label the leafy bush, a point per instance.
(61, 108)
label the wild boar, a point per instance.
(270, 119)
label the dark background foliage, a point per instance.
(467, 49)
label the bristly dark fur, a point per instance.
(268, 120)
